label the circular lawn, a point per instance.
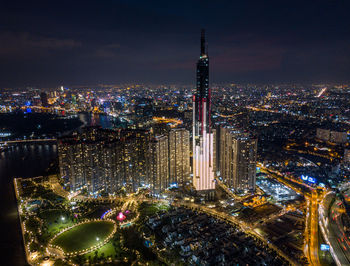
(84, 236)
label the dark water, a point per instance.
(99, 120)
(25, 160)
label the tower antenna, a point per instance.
(202, 42)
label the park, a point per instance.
(84, 236)
(61, 231)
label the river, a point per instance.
(26, 160)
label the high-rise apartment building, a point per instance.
(113, 166)
(71, 160)
(159, 164)
(203, 137)
(179, 156)
(238, 155)
(104, 160)
(136, 145)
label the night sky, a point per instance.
(53, 43)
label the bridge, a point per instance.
(26, 141)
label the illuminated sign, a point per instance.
(308, 178)
(324, 247)
(311, 180)
(173, 185)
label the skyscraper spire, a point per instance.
(203, 137)
(202, 42)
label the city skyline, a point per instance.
(95, 42)
(222, 171)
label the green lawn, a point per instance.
(53, 220)
(106, 250)
(84, 236)
(150, 209)
(112, 249)
(51, 215)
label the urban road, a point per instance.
(312, 235)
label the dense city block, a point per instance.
(205, 173)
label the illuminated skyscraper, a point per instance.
(238, 152)
(136, 145)
(203, 138)
(179, 156)
(81, 161)
(70, 155)
(101, 160)
(159, 164)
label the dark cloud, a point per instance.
(108, 51)
(88, 42)
(25, 44)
